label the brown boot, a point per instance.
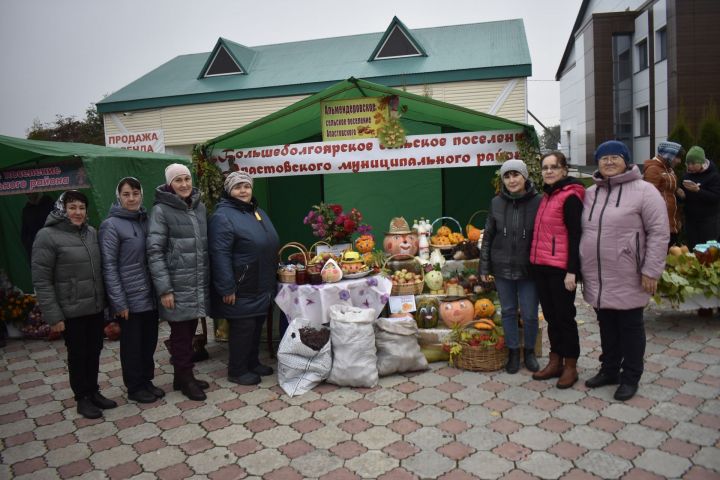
(553, 369)
(569, 374)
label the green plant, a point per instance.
(210, 178)
(709, 133)
(461, 336)
(684, 276)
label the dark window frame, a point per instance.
(643, 120)
(643, 60)
(661, 44)
(239, 70)
(400, 31)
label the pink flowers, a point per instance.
(332, 224)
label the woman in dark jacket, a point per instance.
(67, 276)
(129, 289)
(556, 265)
(178, 261)
(243, 256)
(505, 253)
(701, 194)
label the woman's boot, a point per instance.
(513, 363)
(553, 369)
(188, 387)
(530, 360)
(569, 373)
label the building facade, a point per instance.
(194, 98)
(631, 67)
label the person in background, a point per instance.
(700, 193)
(625, 233)
(129, 289)
(179, 267)
(67, 276)
(34, 214)
(554, 256)
(243, 258)
(659, 171)
(505, 254)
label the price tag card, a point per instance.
(402, 304)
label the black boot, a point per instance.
(99, 401)
(86, 408)
(602, 379)
(530, 361)
(248, 378)
(513, 363)
(188, 387)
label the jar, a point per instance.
(315, 278)
(301, 276)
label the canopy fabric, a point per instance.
(104, 166)
(301, 120)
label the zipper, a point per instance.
(537, 241)
(516, 228)
(637, 251)
(602, 213)
(92, 267)
(553, 246)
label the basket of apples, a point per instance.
(406, 281)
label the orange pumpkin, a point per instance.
(456, 311)
(473, 233)
(444, 231)
(365, 244)
(484, 308)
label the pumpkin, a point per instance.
(434, 280)
(444, 231)
(365, 243)
(456, 311)
(401, 244)
(426, 315)
(484, 308)
(473, 233)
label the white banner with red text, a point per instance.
(150, 141)
(446, 150)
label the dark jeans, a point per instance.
(622, 337)
(84, 341)
(523, 293)
(244, 344)
(181, 338)
(138, 339)
(558, 306)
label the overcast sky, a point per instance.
(59, 57)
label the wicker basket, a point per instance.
(288, 276)
(440, 219)
(472, 217)
(481, 358)
(410, 289)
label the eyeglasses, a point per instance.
(611, 159)
(550, 168)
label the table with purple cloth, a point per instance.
(313, 302)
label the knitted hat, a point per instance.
(175, 170)
(695, 155)
(613, 147)
(514, 166)
(237, 177)
(668, 150)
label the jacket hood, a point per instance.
(549, 189)
(227, 200)
(57, 218)
(530, 192)
(117, 211)
(162, 195)
(631, 174)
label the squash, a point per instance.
(484, 308)
(473, 233)
(482, 326)
(456, 311)
(427, 313)
(444, 231)
(365, 243)
(484, 321)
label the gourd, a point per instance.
(484, 308)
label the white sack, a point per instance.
(300, 367)
(353, 344)
(396, 340)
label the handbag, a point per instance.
(198, 344)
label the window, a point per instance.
(661, 44)
(642, 55)
(397, 45)
(222, 64)
(643, 121)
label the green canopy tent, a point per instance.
(455, 192)
(103, 168)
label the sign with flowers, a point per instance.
(332, 224)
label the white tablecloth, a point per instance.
(313, 301)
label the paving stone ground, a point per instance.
(445, 423)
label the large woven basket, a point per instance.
(409, 289)
(481, 358)
(288, 276)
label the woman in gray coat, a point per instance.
(129, 289)
(68, 280)
(178, 259)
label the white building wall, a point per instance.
(186, 125)
(661, 79)
(573, 127)
(641, 89)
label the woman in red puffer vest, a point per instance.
(555, 260)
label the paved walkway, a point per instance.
(444, 423)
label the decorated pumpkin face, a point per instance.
(456, 311)
(426, 315)
(434, 280)
(401, 244)
(331, 272)
(484, 308)
(365, 244)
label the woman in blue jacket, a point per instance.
(243, 246)
(129, 289)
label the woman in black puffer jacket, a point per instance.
(243, 256)
(129, 289)
(67, 276)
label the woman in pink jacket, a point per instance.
(625, 233)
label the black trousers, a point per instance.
(181, 350)
(558, 306)
(622, 337)
(84, 341)
(244, 344)
(138, 339)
